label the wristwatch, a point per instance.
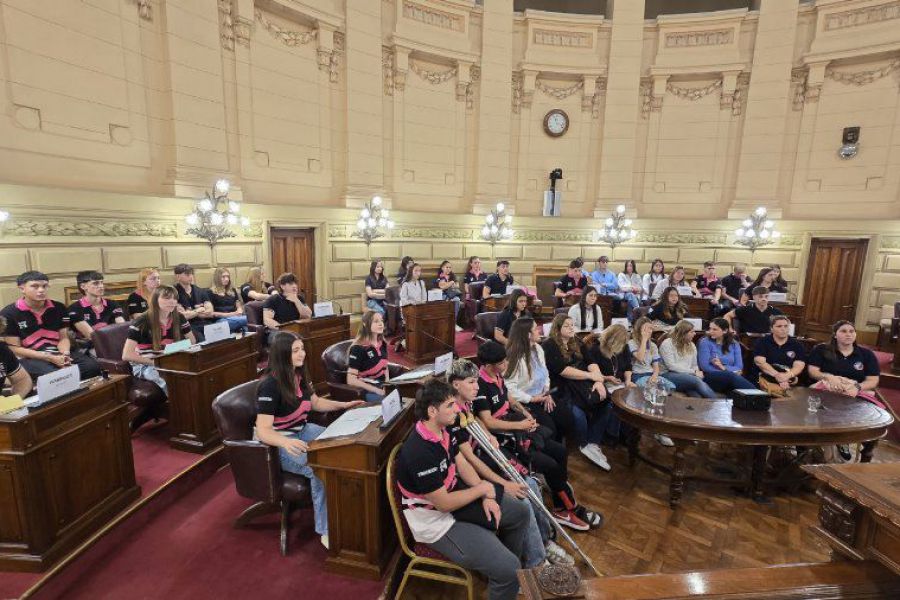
(858, 386)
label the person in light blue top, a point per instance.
(607, 284)
(719, 357)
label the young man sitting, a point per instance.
(572, 284)
(778, 358)
(448, 507)
(497, 283)
(193, 301)
(36, 331)
(285, 305)
(755, 316)
(93, 311)
(709, 286)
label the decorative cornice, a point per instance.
(862, 77)
(649, 102)
(36, 227)
(559, 93)
(803, 91)
(890, 242)
(438, 233)
(564, 39)
(692, 39)
(387, 70)
(681, 238)
(144, 9)
(286, 37)
(433, 77)
(433, 17)
(552, 236)
(693, 93)
(232, 30)
(862, 16)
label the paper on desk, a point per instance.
(413, 375)
(351, 422)
(10, 403)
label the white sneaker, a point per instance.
(324, 540)
(596, 456)
(558, 556)
(663, 440)
(458, 329)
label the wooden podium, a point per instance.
(195, 378)
(66, 469)
(361, 531)
(317, 334)
(430, 330)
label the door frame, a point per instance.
(320, 229)
(868, 273)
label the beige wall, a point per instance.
(115, 113)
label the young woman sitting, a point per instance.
(515, 309)
(608, 354)
(446, 282)
(284, 400)
(226, 302)
(413, 291)
(668, 310)
(631, 285)
(579, 388)
(256, 287)
(679, 356)
(719, 357)
(655, 276)
(376, 284)
(404, 269)
(677, 280)
(474, 274)
(586, 315)
(139, 300)
(767, 278)
(160, 325)
(367, 357)
(645, 364)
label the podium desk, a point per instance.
(195, 377)
(66, 469)
(317, 334)
(361, 531)
(430, 330)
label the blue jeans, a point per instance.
(236, 323)
(641, 381)
(690, 385)
(376, 305)
(725, 381)
(149, 373)
(589, 429)
(298, 465)
(533, 551)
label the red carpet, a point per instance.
(465, 347)
(191, 550)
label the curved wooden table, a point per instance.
(841, 420)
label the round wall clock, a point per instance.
(556, 123)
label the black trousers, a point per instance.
(87, 366)
(552, 463)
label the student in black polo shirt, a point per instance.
(515, 308)
(513, 424)
(226, 301)
(733, 285)
(778, 358)
(93, 311)
(36, 330)
(255, 288)
(708, 285)
(367, 357)
(496, 283)
(843, 366)
(11, 369)
(572, 284)
(473, 273)
(284, 400)
(756, 316)
(448, 507)
(193, 301)
(669, 309)
(137, 302)
(376, 284)
(285, 305)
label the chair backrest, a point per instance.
(394, 499)
(485, 323)
(640, 311)
(476, 289)
(562, 310)
(235, 411)
(110, 340)
(335, 359)
(254, 312)
(392, 294)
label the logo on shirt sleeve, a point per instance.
(264, 399)
(791, 354)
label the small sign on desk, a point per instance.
(323, 309)
(390, 407)
(620, 321)
(435, 294)
(442, 363)
(777, 297)
(58, 383)
(215, 332)
(697, 323)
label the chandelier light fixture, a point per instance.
(213, 217)
(757, 230)
(616, 229)
(497, 225)
(373, 220)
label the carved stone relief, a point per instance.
(690, 39)
(863, 16)
(564, 39)
(286, 37)
(431, 16)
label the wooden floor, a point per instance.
(715, 527)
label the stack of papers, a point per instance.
(352, 422)
(413, 375)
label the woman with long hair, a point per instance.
(579, 388)
(645, 364)
(676, 279)
(679, 355)
(446, 282)
(669, 309)
(631, 282)
(412, 290)
(780, 284)
(474, 273)
(586, 315)
(515, 308)
(719, 357)
(607, 352)
(376, 284)
(403, 271)
(256, 287)
(284, 400)
(766, 278)
(160, 325)
(367, 357)
(226, 302)
(138, 301)
(657, 273)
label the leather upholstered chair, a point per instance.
(335, 359)
(254, 312)
(392, 308)
(562, 310)
(256, 467)
(473, 302)
(640, 311)
(146, 398)
(484, 326)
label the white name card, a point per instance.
(215, 332)
(697, 323)
(390, 406)
(791, 329)
(620, 321)
(685, 290)
(323, 309)
(435, 294)
(777, 297)
(177, 346)
(58, 383)
(442, 363)
(511, 287)
(546, 328)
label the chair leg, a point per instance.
(285, 525)
(403, 584)
(256, 510)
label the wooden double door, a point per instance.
(833, 280)
(294, 251)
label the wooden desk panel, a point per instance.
(430, 330)
(361, 532)
(317, 335)
(796, 313)
(194, 379)
(66, 469)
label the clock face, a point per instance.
(556, 123)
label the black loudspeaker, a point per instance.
(751, 399)
(851, 135)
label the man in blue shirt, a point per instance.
(607, 284)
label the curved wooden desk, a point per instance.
(841, 420)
